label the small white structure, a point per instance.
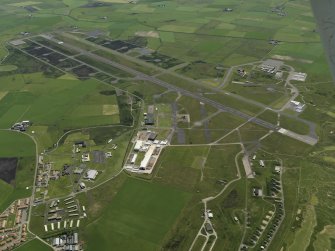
(82, 185)
(277, 169)
(297, 106)
(85, 157)
(91, 174)
(133, 159)
(261, 163)
(299, 76)
(210, 215)
(25, 122)
(164, 142)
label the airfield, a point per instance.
(166, 126)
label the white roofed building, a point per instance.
(91, 174)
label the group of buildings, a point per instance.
(13, 224)
(145, 153)
(64, 215)
(271, 66)
(21, 126)
(297, 106)
(66, 242)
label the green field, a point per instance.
(138, 217)
(35, 244)
(7, 68)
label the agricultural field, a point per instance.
(236, 96)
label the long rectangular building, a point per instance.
(147, 156)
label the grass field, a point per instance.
(139, 217)
(35, 245)
(303, 235)
(7, 68)
(13, 144)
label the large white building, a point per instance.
(91, 174)
(138, 145)
(145, 161)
